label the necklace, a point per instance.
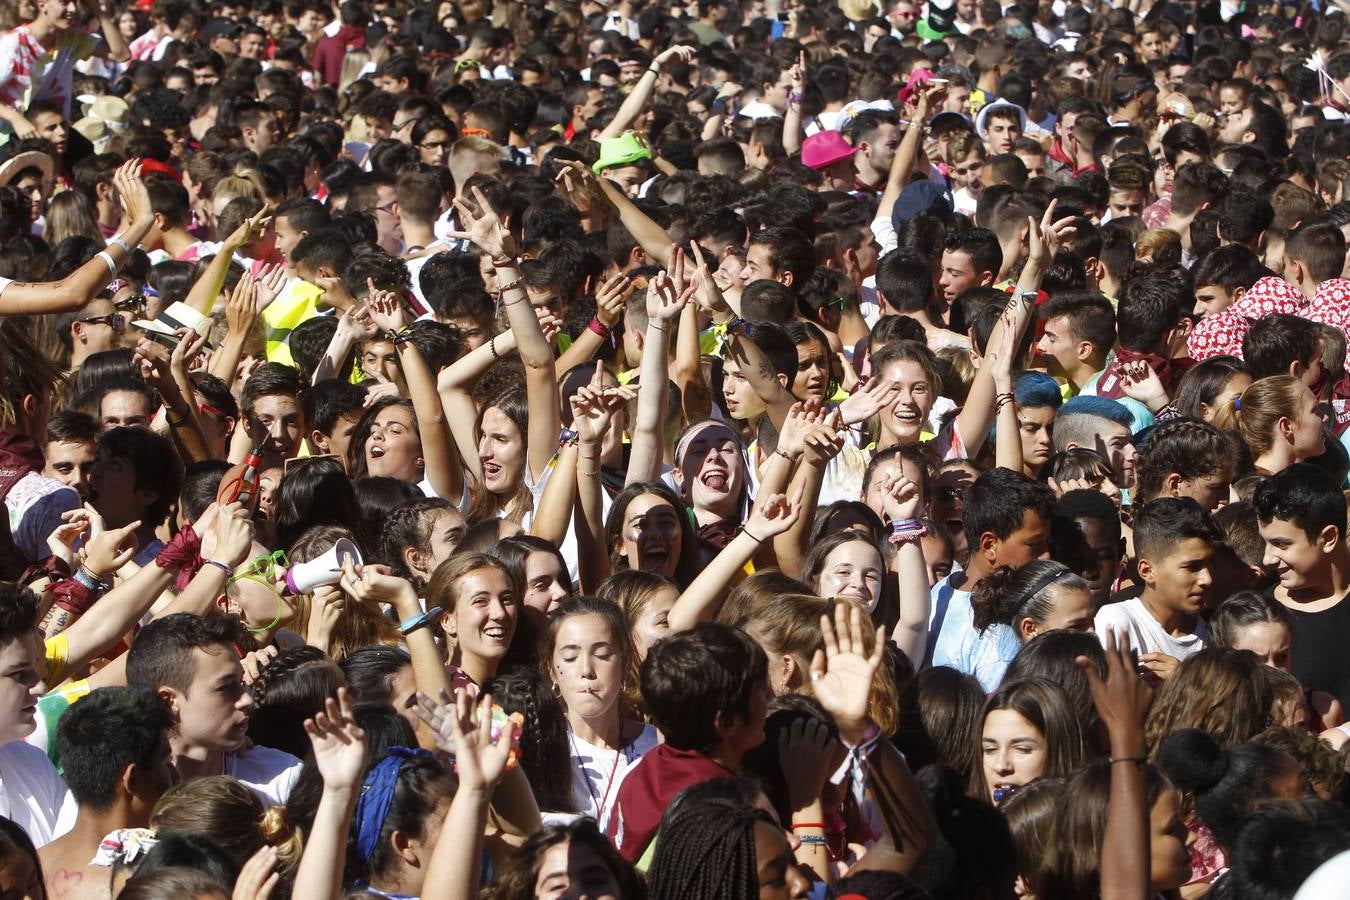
(618, 754)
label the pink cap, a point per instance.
(825, 148)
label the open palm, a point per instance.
(339, 743)
(842, 673)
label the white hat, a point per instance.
(983, 117)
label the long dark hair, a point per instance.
(289, 691)
(14, 839)
(356, 448)
(545, 754)
(315, 492)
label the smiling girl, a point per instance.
(480, 602)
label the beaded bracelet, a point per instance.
(907, 531)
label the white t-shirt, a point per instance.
(1145, 634)
(32, 794)
(597, 772)
(4, 283)
(35, 504)
(269, 773)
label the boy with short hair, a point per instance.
(1174, 543)
(69, 455)
(1080, 330)
(1103, 426)
(1006, 520)
(331, 409)
(1085, 536)
(708, 692)
(1223, 276)
(272, 412)
(135, 478)
(114, 751)
(192, 663)
(965, 162)
(1302, 515)
(1314, 253)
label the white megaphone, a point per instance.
(303, 578)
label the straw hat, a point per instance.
(29, 159)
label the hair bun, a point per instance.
(1193, 760)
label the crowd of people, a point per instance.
(613, 449)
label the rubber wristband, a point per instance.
(107, 258)
(227, 569)
(796, 825)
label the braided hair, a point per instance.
(706, 848)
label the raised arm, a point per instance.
(205, 290)
(117, 48)
(637, 98)
(772, 515)
(487, 231)
(339, 751)
(609, 303)
(481, 758)
(902, 500)
(792, 120)
(442, 467)
(593, 408)
(79, 287)
(455, 384)
(180, 412)
(650, 236)
(354, 325)
(241, 310)
(1122, 700)
(666, 298)
(821, 445)
(756, 369)
(975, 418)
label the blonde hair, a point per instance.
(1154, 239)
(1255, 412)
(353, 64)
(243, 183)
(790, 625)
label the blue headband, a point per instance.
(377, 792)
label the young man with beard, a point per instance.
(1302, 515)
(192, 663)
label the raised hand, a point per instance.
(254, 663)
(339, 744)
(271, 279)
(186, 352)
(249, 230)
(358, 322)
(1001, 355)
(675, 268)
(664, 302)
(579, 185)
(683, 52)
(135, 196)
(610, 300)
(110, 550)
(806, 753)
(774, 514)
(482, 757)
(242, 307)
(706, 292)
(827, 441)
(594, 406)
(1122, 700)
(387, 311)
(868, 400)
(802, 419)
(842, 673)
(900, 498)
(258, 878)
(437, 714)
(1140, 382)
(483, 227)
(374, 585)
(229, 540)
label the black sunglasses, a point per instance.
(115, 320)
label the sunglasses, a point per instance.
(116, 321)
(128, 304)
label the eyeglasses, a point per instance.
(263, 569)
(116, 321)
